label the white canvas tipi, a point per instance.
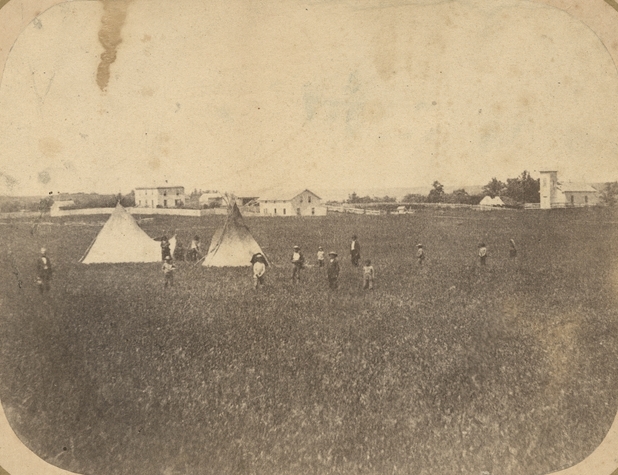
(122, 240)
(232, 245)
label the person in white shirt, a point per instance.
(483, 253)
(259, 269)
(298, 261)
(320, 257)
(355, 251)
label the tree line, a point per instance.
(515, 191)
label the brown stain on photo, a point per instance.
(110, 36)
(50, 147)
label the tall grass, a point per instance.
(453, 368)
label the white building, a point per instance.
(303, 203)
(160, 197)
(555, 194)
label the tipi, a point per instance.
(122, 240)
(232, 245)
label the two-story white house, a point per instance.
(303, 203)
(160, 197)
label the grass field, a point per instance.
(508, 369)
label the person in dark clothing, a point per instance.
(512, 249)
(165, 248)
(332, 270)
(355, 251)
(179, 252)
(43, 272)
(195, 249)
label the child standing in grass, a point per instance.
(483, 253)
(333, 270)
(368, 275)
(420, 254)
(259, 269)
(320, 257)
(168, 272)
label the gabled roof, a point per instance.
(576, 188)
(283, 195)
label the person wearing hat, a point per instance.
(320, 257)
(258, 261)
(483, 253)
(298, 261)
(168, 271)
(333, 270)
(420, 254)
(43, 272)
(355, 251)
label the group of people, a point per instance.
(194, 254)
(331, 263)
(259, 263)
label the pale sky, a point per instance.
(243, 94)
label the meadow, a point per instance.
(453, 368)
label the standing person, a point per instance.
(43, 272)
(512, 249)
(194, 249)
(320, 257)
(368, 275)
(355, 251)
(179, 252)
(483, 253)
(259, 269)
(333, 270)
(298, 261)
(165, 248)
(420, 254)
(168, 272)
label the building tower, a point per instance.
(549, 181)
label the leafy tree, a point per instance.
(609, 194)
(353, 198)
(524, 188)
(436, 194)
(459, 196)
(45, 204)
(494, 187)
(413, 198)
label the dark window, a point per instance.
(308, 199)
